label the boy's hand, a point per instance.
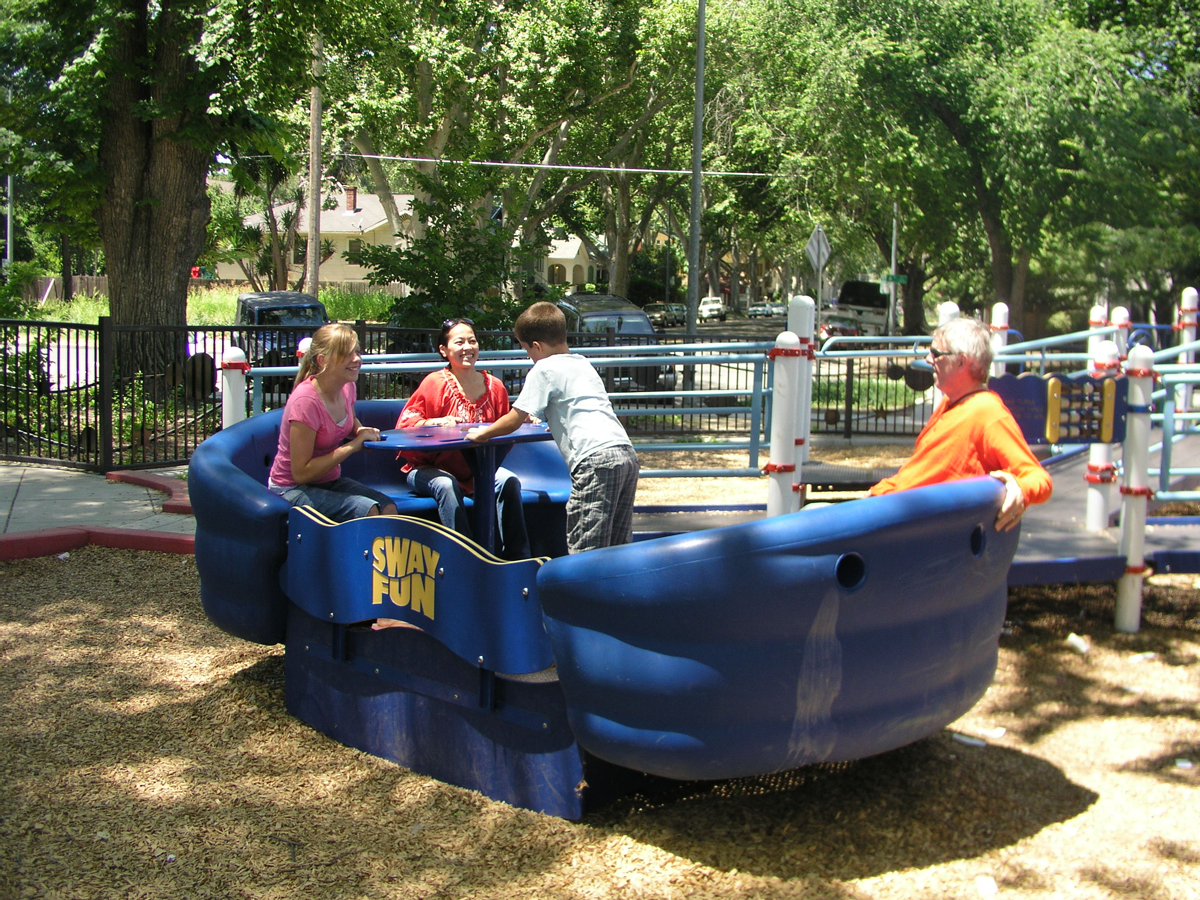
(477, 435)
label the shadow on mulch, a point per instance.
(928, 803)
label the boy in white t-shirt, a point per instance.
(563, 390)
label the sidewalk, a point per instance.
(43, 509)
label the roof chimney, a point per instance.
(351, 199)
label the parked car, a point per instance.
(661, 314)
(680, 311)
(711, 308)
(590, 317)
(282, 318)
(759, 309)
(837, 326)
(778, 309)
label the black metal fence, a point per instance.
(108, 397)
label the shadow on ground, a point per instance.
(928, 803)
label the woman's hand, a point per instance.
(367, 433)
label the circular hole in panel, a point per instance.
(850, 571)
(977, 541)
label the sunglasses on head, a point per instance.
(938, 354)
(450, 323)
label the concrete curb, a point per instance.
(51, 541)
(176, 488)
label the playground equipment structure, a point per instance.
(835, 634)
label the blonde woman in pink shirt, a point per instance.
(319, 431)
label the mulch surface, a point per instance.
(145, 754)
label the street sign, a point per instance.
(895, 279)
(818, 248)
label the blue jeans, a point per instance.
(445, 489)
(341, 499)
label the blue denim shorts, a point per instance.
(342, 499)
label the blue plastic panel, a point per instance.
(482, 608)
(824, 635)
(1078, 399)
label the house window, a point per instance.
(355, 245)
(577, 275)
(556, 274)
(591, 274)
(601, 276)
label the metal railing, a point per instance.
(105, 397)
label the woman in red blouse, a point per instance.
(457, 394)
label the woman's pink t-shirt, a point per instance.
(306, 407)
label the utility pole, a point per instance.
(314, 175)
(8, 226)
(697, 161)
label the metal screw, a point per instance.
(331, 615)
(524, 592)
(456, 696)
(441, 572)
(376, 671)
(481, 660)
(365, 555)
(545, 726)
(299, 538)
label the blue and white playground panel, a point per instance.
(826, 635)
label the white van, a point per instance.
(864, 301)
(711, 308)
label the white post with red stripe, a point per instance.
(1120, 318)
(1188, 305)
(801, 322)
(233, 386)
(1135, 492)
(782, 467)
(1101, 473)
(999, 336)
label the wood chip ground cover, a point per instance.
(146, 754)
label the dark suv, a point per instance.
(285, 317)
(591, 318)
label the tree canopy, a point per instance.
(1039, 152)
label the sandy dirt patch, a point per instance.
(145, 754)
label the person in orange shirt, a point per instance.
(971, 433)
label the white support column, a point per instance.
(999, 336)
(1188, 305)
(1100, 471)
(782, 467)
(947, 312)
(801, 322)
(1120, 318)
(233, 386)
(1136, 490)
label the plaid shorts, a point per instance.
(600, 509)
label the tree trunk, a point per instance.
(68, 291)
(620, 232)
(365, 144)
(155, 209)
(913, 297)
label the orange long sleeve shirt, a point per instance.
(975, 436)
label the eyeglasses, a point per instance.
(938, 354)
(450, 323)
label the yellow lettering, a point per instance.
(397, 549)
(398, 590)
(377, 554)
(431, 558)
(422, 594)
(379, 587)
(414, 558)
